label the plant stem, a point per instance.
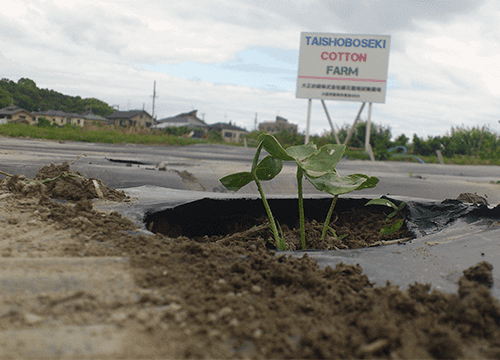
(279, 241)
(328, 217)
(256, 158)
(300, 175)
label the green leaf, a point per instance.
(371, 181)
(317, 162)
(302, 151)
(382, 202)
(392, 228)
(401, 206)
(236, 181)
(268, 168)
(273, 147)
(391, 215)
(311, 160)
(395, 212)
(324, 161)
(335, 184)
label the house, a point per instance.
(130, 118)
(185, 119)
(278, 125)
(229, 132)
(91, 118)
(16, 115)
(59, 117)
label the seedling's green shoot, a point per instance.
(266, 169)
(389, 229)
(334, 233)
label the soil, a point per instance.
(350, 227)
(230, 296)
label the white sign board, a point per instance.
(343, 67)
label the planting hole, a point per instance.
(224, 217)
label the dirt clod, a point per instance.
(62, 183)
(481, 274)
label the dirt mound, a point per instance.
(238, 299)
(62, 183)
(59, 182)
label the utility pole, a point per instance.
(255, 123)
(154, 97)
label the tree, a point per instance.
(428, 147)
(27, 82)
(98, 107)
(5, 98)
(28, 96)
(419, 146)
(401, 140)
(25, 102)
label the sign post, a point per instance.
(330, 121)
(342, 67)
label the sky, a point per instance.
(237, 60)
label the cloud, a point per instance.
(265, 68)
(230, 59)
(373, 17)
(98, 28)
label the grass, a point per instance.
(455, 160)
(360, 154)
(97, 134)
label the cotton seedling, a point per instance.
(334, 233)
(267, 169)
(389, 229)
(318, 167)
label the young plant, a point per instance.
(266, 169)
(334, 233)
(389, 229)
(318, 167)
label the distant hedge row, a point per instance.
(471, 142)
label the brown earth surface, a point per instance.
(231, 296)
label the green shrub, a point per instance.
(43, 122)
(215, 136)
(177, 130)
